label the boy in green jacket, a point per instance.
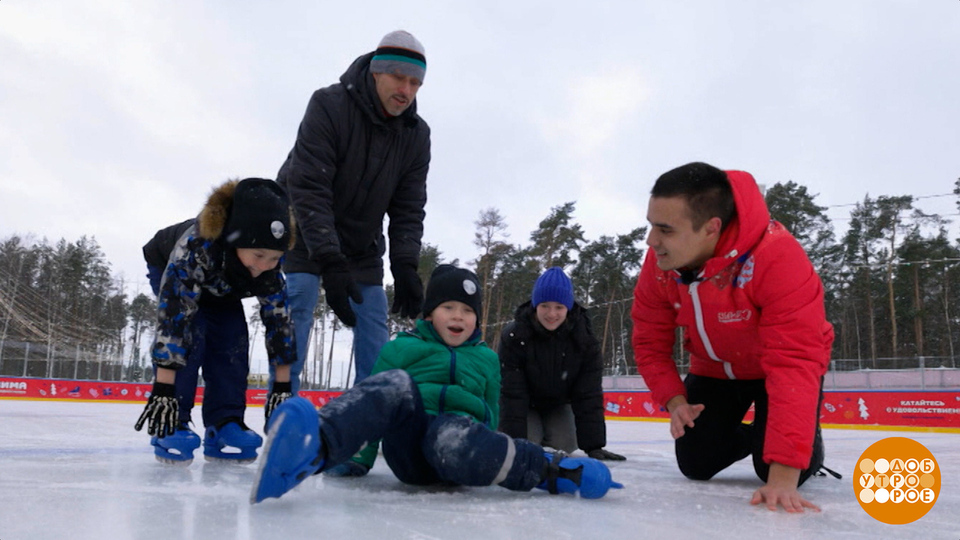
(432, 400)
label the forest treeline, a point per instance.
(892, 284)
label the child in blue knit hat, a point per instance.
(550, 365)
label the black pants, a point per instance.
(719, 437)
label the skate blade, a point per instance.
(267, 446)
(176, 462)
(237, 461)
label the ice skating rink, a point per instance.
(73, 470)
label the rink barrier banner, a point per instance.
(846, 408)
(913, 409)
(72, 390)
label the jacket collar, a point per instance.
(424, 330)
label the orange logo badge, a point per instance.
(897, 480)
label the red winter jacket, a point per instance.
(757, 313)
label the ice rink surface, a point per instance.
(79, 471)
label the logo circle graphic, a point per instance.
(277, 229)
(896, 480)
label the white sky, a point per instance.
(116, 118)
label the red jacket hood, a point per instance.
(747, 227)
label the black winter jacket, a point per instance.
(157, 254)
(541, 370)
(350, 166)
(157, 251)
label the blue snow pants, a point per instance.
(219, 344)
(422, 448)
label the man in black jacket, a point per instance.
(361, 153)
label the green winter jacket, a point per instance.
(462, 380)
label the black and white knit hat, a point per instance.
(259, 216)
(448, 282)
(400, 52)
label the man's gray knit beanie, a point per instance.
(400, 52)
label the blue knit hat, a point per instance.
(553, 286)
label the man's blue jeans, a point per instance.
(369, 336)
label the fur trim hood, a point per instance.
(216, 211)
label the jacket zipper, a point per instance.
(441, 405)
(702, 331)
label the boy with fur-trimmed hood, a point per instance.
(200, 269)
(432, 400)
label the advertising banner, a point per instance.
(907, 408)
(932, 409)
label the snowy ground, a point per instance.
(80, 471)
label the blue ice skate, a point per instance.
(293, 451)
(176, 449)
(567, 474)
(231, 441)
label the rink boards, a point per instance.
(897, 409)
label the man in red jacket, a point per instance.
(750, 306)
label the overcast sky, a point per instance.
(117, 117)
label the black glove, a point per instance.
(407, 291)
(281, 392)
(162, 413)
(605, 455)
(340, 288)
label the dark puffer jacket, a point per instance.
(542, 370)
(350, 166)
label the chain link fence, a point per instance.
(41, 360)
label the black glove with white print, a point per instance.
(281, 392)
(162, 413)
